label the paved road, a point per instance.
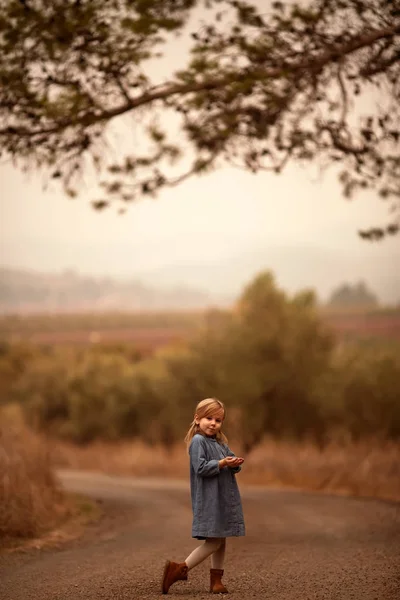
(298, 546)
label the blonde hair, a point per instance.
(206, 408)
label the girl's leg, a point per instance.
(217, 558)
(202, 552)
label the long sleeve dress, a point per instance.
(216, 502)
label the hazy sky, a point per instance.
(205, 220)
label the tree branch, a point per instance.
(313, 64)
(340, 144)
(344, 95)
(374, 69)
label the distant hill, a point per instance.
(295, 268)
(189, 285)
(23, 291)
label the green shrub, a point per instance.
(271, 359)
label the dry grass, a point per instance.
(357, 469)
(363, 469)
(30, 500)
(122, 458)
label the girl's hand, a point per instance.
(233, 461)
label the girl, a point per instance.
(216, 504)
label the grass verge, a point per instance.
(370, 469)
(33, 507)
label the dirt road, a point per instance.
(298, 547)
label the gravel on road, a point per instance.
(299, 546)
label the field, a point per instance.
(149, 331)
(365, 325)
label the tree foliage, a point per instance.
(271, 359)
(293, 82)
(267, 360)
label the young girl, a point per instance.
(216, 504)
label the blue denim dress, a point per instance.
(216, 503)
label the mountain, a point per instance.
(189, 285)
(23, 291)
(295, 268)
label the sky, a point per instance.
(207, 220)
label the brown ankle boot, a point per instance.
(173, 572)
(216, 585)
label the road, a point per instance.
(299, 546)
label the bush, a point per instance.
(271, 359)
(30, 499)
(371, 398)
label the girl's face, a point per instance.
(212, 424)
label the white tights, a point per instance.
(213, 546)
